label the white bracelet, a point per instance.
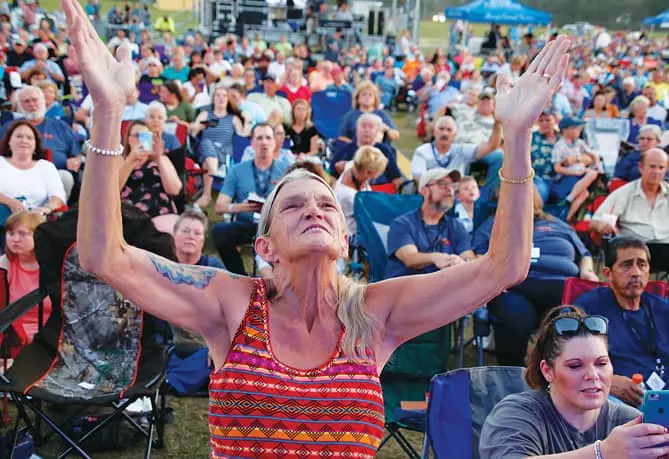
(99, 151)
(598, 449)
(231, 209)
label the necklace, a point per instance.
(568, 428)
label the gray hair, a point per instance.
(369, 117)
(653, 129)
(155, 105)
(360, 328)
(194, 214)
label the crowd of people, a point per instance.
(236, 111)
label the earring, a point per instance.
(548, 388)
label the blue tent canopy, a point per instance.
(662, 18)
(498, 12)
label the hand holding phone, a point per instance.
(145, 141)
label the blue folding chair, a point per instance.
(374, 212)
(328, 108)
(239, 144)
(460, 401)
(406, 376)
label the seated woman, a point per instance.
(23, 272)
(178, 111)
(156, 115)
(302, 132)
(27, 182)
(368, 163)
(541, 151)
(148, 179)
(599, 107)
(366, 100)
(567, 413)
(217, 127)
(638, 117)
(518, 311)
(53, 108)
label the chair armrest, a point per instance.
(14, 310)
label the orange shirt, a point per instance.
(21, 282)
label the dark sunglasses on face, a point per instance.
(567, 326)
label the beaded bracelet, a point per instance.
(515, 181)
(598, 450)
(99, 151)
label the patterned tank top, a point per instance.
(259, 407)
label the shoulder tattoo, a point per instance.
(197, 276)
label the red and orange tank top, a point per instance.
(259, 407)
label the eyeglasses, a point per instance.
(647, 138)
(567, 326)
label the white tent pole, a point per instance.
(416, 21)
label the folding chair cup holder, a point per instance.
(97, 350)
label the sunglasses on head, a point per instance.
(567, 326)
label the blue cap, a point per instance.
(568, 122)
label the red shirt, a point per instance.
(303, 92)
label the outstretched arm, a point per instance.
(412, 305)
(186, 296)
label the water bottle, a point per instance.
(637, 378)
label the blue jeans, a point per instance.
(516, 314)
(493, 161)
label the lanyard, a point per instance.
(434, 245)
(262, 190)
(650, 324)
(442, 163)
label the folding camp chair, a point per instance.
(408, 372)
(605, 136)
(574, 287)
(97, 348)
(459, 404)
(328, 109)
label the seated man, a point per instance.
(441, 94)
(42, 62)
(57, 136)
(627, 167)
(257, 176)
(189, 233)
(427, 240)
(276, 108)
(368, 131)
(639, 320)
(640, 208)
(444, 152)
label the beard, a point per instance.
(31, 116)
(443, 205)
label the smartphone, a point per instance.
(656, 407)
(146, 140)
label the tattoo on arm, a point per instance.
(197, 276)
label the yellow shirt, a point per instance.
(661, 90)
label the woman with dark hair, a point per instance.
(567, 413)
(218, 126)
(178, 110)
(148, 179)
(27, 182)
(598, 107)
(195, 90)
(559, 253)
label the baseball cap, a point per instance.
(568, 122)
(436, 174)
(270, 76)
(17, 40)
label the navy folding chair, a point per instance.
(328, 108)
(459, 403)
(239, 144)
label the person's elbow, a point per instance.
(510, 268)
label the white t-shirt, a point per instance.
(202, 99)
(460, 157)
(34, 186)
(87, 104)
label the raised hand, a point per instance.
(109, 81)
(519, 105)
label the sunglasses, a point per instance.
(567, 326)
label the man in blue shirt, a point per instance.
(257, 177)
(427, 240)
(627, 167)
(638, 321)
(42, 62)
